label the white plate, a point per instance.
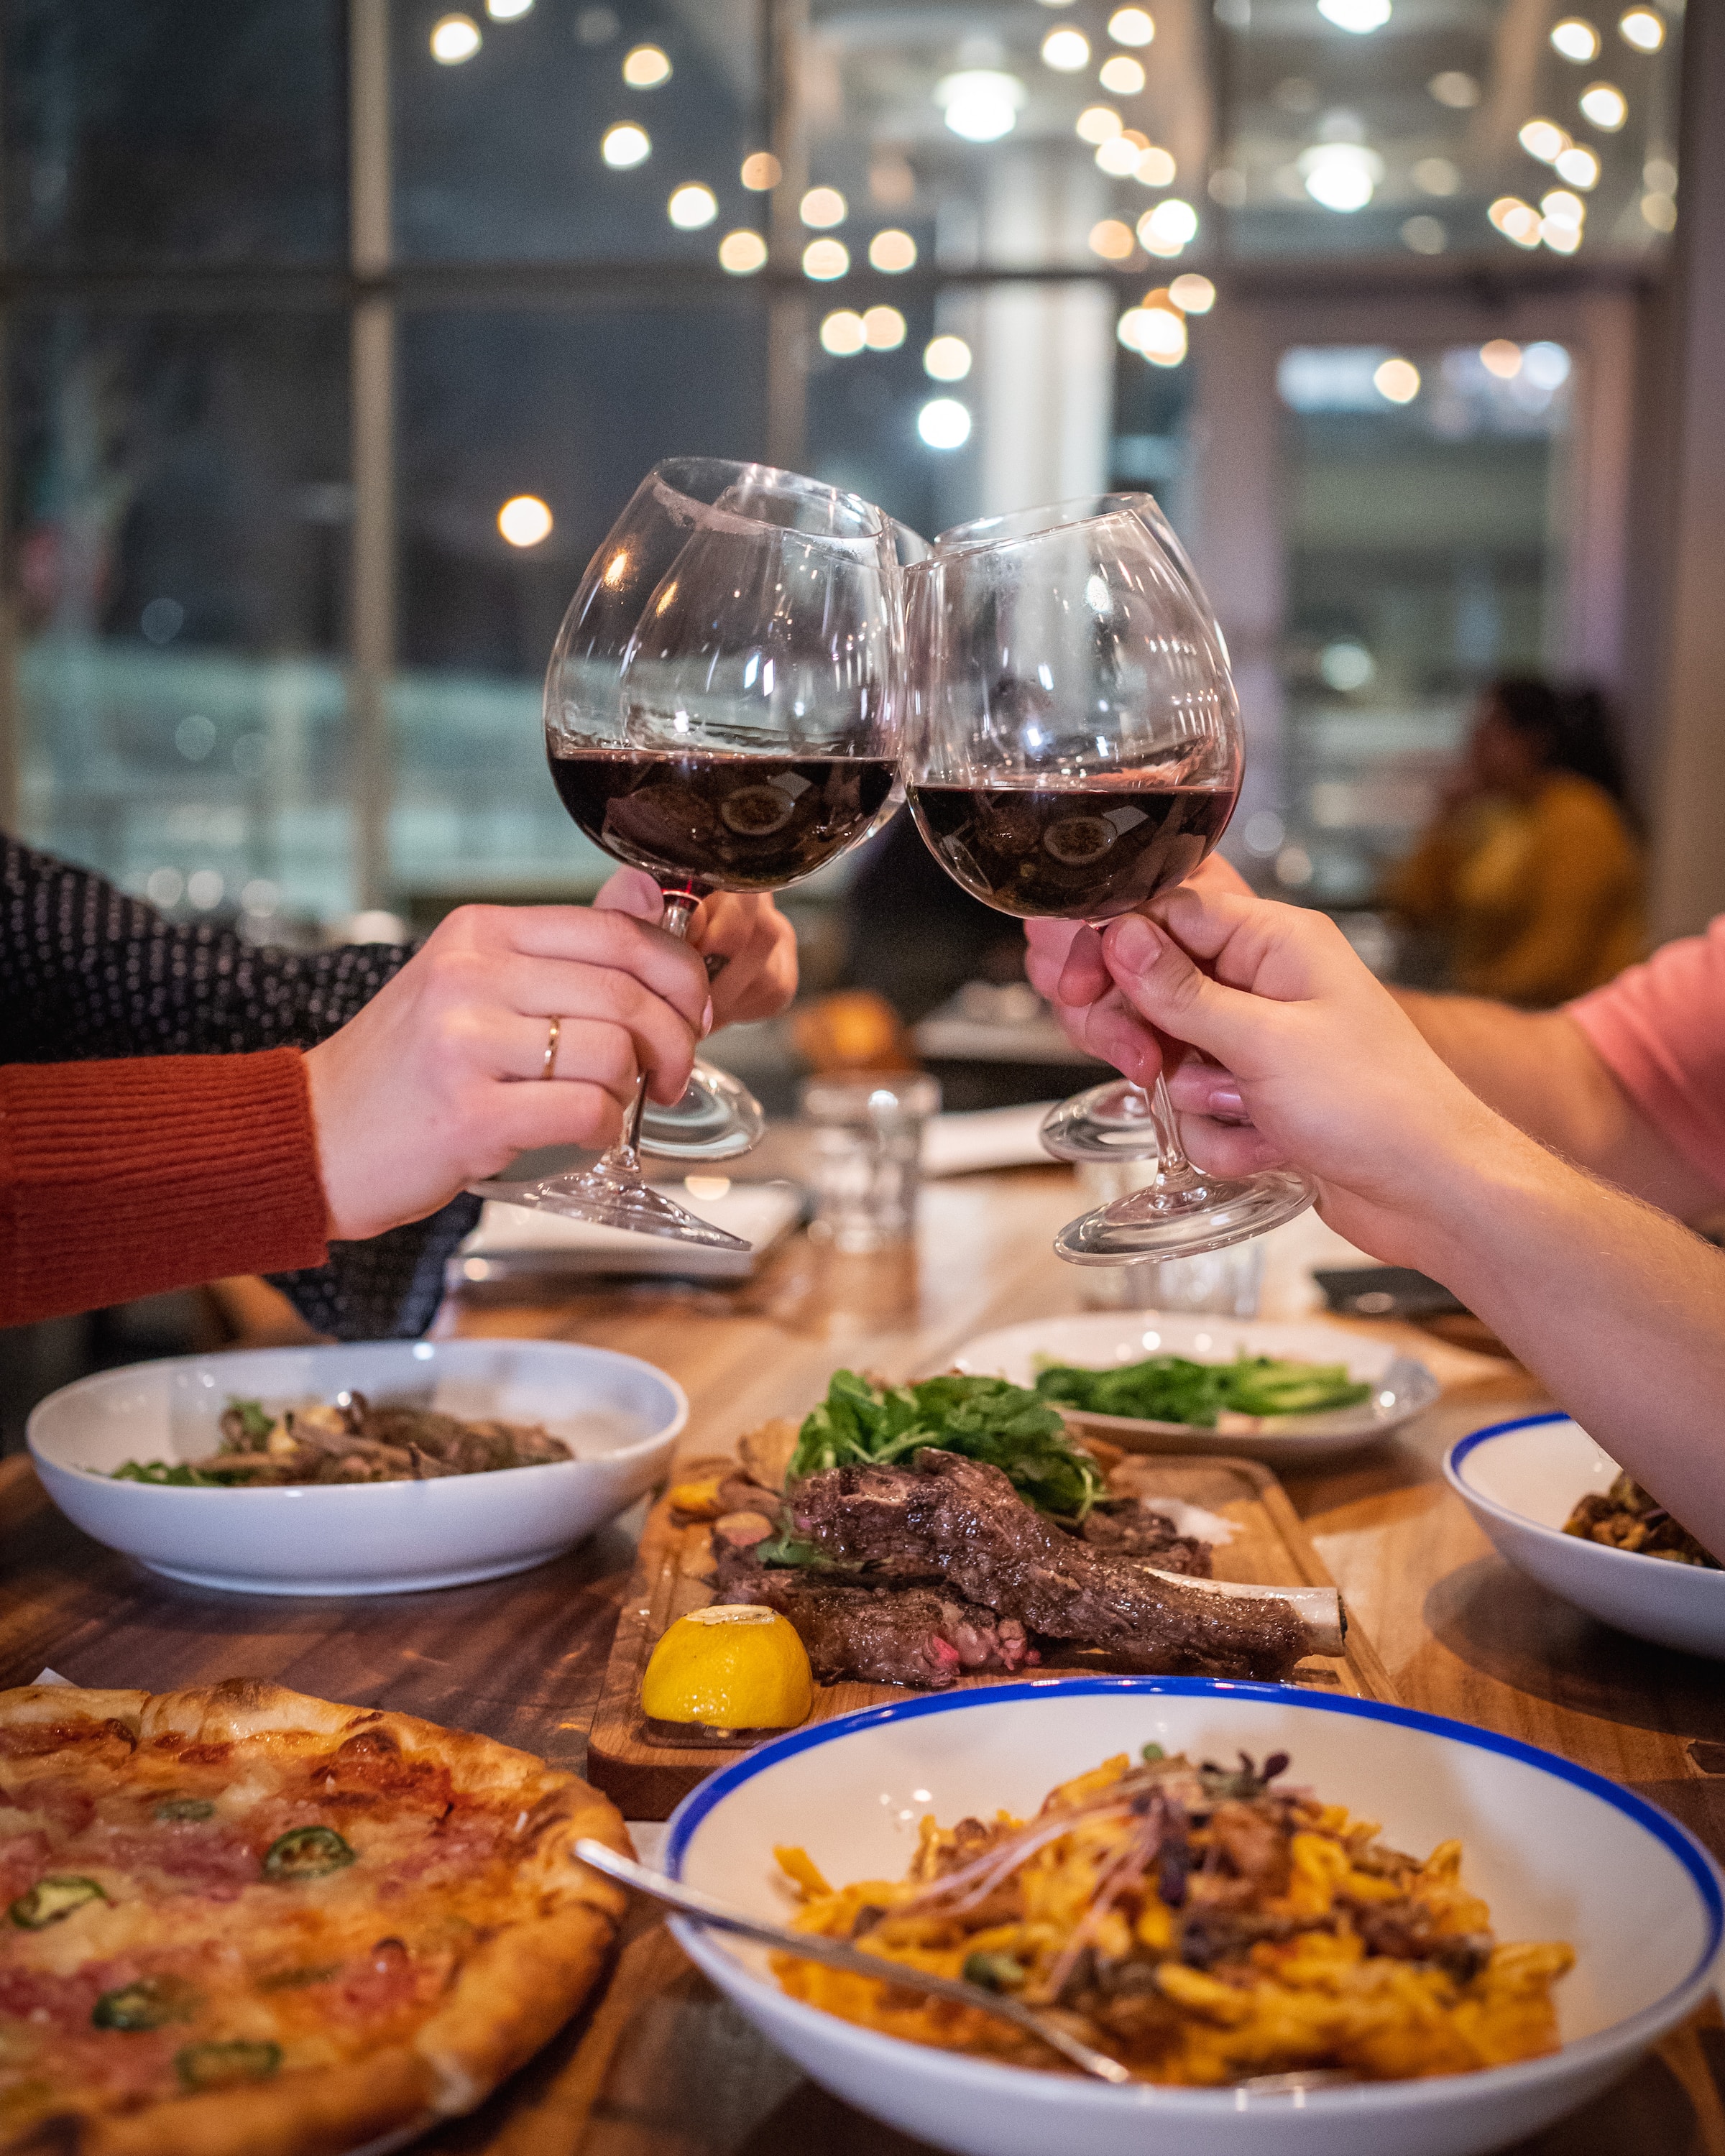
(620, 1417)
(1558, 1852)
(1521, 1480)
(1400, 1386)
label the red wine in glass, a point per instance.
(720, 821)
(1082, 850)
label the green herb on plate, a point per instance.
(1173, 1389)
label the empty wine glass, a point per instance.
(1073, 747)
(721, 710)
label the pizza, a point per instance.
(238, 1919)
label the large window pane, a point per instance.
(1425, 555)
(174, 130)
(1356, 130)
(180, 510)
(990, 133)
(571, 408)
(502, 155)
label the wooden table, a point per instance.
(660, 2066)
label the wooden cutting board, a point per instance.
(647, 1780)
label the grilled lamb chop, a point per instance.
(912, 1636)
(964, 1521)
(1131, 1526)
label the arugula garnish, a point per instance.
(866, 1425)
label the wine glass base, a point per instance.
(610, 1201)
(1209, 1213)
(717, 1118)
(1110, 1121)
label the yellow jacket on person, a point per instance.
(1540, 900)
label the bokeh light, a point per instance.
(944, 423)
(625, 146)
(824, 259)
(1397, 381)
(892, 252)
(454, 38)
(692, 206)
(524, 521)
(742, 253)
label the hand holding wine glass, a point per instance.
(1073, 749)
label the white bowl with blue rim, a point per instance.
(1556, 1851)
(620, 1417)
(1522, 1479)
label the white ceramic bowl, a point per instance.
(1521, 1480)
(620, 1418)
(1559, 1853)
(1400, 1386)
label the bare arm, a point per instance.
(1540, 1071)
(1618, 1308)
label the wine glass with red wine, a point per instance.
(1112, 1120)
(721, 710)
(1074, 747)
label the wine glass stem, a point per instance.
(1172, 1164)
(623, 1161)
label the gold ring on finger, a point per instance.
(549, 1064)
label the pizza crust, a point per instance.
(508, 1997)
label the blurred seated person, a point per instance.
(177, 1106)
(1531, 874)
(1618, 1308)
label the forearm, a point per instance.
(1539, 1071)
(1615, 1306)
(125, 1178)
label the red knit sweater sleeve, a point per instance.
(130, 1176)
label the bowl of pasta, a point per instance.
(1307, 1925)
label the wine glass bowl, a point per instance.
(1074, 747)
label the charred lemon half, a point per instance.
(734, 1665)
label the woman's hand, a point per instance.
(436, 1083)
(757, 944)
(1318, 1055)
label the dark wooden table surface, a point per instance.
(660, 2066)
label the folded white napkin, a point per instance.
(760, 1213)
(984, 1137)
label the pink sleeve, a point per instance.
(1659, 1030)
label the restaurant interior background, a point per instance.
(335, 337)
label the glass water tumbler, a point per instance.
(865, 1149)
